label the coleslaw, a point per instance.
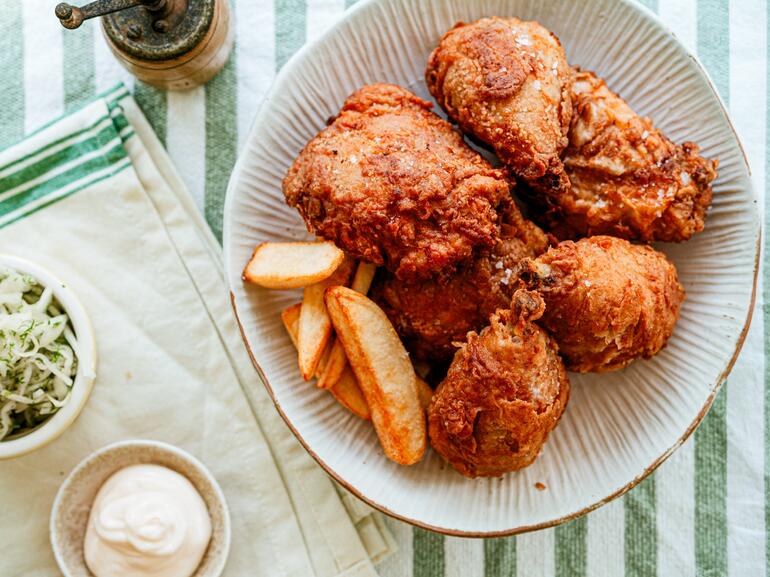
(38, 353)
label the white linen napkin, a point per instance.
(94, 198)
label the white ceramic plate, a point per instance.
(617, 427)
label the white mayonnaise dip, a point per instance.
(147, 521)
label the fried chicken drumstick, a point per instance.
(507, 82)
(505, 391)
(393, 184)
(607, 301)
(628, 179)
(431, 315)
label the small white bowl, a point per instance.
(72, 506)
(49, 430)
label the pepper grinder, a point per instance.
(169, 44)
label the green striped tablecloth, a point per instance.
(702, 513)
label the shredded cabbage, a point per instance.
(38, 353)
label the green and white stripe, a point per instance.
(71, 163)
(43, 65)
(703, 513)
(12, 102)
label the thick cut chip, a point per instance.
(384, 372)
(346, 391)
(337, 359)
(315, 327)
(424, 392)
(349, 395)
(290, 319)
(284, 265)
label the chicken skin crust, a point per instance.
(431, 315)
(628, 179)
(507, 82)
(607, 301)
(393, 184)
(506, 389)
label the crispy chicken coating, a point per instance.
(431, 315)
(628, 179)
(506, 389)
(507, 82)
(393, 184)
(607, 301)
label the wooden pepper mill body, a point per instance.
(170, 44)
(188, 70)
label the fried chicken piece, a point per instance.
(607, 301)
(507, 82)
(628, 179)
(393, 184)
(431, 315)
(505, 391)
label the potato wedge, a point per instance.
(349, 395)
(363, 278)
(337, 359)
(334, 368)
(424, 392)
(346, 391)
(284, 265)
(315, 327)
(290, 318)
(384, 372)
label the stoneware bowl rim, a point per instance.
(138, 446)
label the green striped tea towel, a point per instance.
(704, 512)
(94, 198)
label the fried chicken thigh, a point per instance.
(505, 391)
(393, 184)
(431, 315)
(628, 179)
(507, 82)
(607, 301)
